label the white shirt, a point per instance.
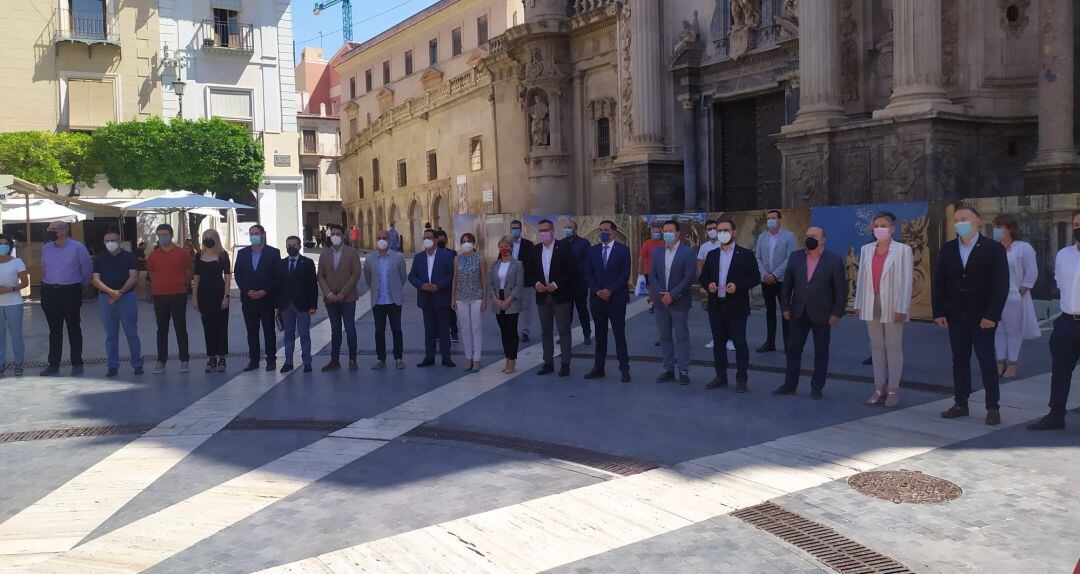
(965, 250)
(9, 277)
(669, 260)
(545, 259)
(606, 253)
(517, 249)
(431, 264)
(772, 248)
(707, 248)
(504, 269)
(725, 266)
(336, 253)
(1067, 273)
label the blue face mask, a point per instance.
(516, 233)
(669, 238)
(605, 236)
(657, 236)
(256, 239)
(5, 250)
(963, 228)
(568, 232)
(772, 223)
(999, 234)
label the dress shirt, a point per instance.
(256, 255)
(431, 264)
(69, 264)
(545, 259)
(504, 270)
(336, 253)
(669, 260)
(772, 247)
(384, 281)
(607, 251)
(725, 265)
(811, 265)
(1067, 273)
(517, 248)
(707, 248)
(965, 250)
(292, 264)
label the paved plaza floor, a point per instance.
(437, 470)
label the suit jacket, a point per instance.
(563, 272)
(819, 298)
(300, 288)
(742, 271)
(683, 272)
(785, 246)
(525, 250)
(343, 279)
(396, 276)
(515, 285)
(442, 275)
(614, 277)
(265, 278)
(976, 292)
(896, 282)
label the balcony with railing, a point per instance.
(97, 26)
(228, 37)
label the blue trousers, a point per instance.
(124, 312)
(11, 322)
(297, 321)
(1065, 353)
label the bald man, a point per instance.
(813, 299)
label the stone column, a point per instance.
(1056, 87)
(647, 73)
(690, 151)
(819, 65)
(917, 84)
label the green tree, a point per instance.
(77, 156)
(31, 156)
(135, 154)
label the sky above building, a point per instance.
(369, 18)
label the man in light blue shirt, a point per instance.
(772, 251)
(384, 273)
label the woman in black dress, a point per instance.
(213, 280)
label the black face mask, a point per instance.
(209, 243)
(52, 235)
(1076, 234)
(292, 251)
(812, 243)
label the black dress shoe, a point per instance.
(76, 370)
(251, 366)
(588, 339)
(625, 377)
(717, 383)
(1049, 422)
(740, 386)
(784, 389)
(448, 363)
(684, 379)
(138, 370)
(286, 367)
(595, 374)
(868, 361)
(955, 412)
(524, 337)
(666, 376)
(49, 371)
(766, 348)
(271, 366)
(331, 366)
(425, 363)
(307, 368)
(546, 370)
(564, 371)
(112, 372)
(993, 417)
(816, 394)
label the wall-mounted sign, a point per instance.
(489, 195)
(282, 161)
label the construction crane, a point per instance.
(346, 15)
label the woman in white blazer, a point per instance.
(1018, 322)
(882, 300)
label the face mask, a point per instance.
(882, 233)
(657, 236)
(429, 243)
(712, 233)
(812, 243)
(51, 235)
(5, 250)
(999, 234)
(516, 233)
(669, 238)
(256, 239)
(963, 228)
(605, 236)
(725, 237)
(505, 251)
(209, 243)
(292, 251)
(772, 223)
(545, 236)
(110, 246)
(382, 244)
(467, 247)
(165, 240)
(568, 232)
(336, 240)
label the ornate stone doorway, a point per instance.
(749, 174)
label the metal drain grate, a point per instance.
(615, 464)
(49, 434)
(285, 425)
(823, 543)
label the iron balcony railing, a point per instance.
(228, 36)
(87, 26)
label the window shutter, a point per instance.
(91, 103)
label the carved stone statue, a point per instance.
(540, 122)
(791, 10)
(745, 14)
(689, 33)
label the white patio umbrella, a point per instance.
(40, 211)
(182, 202)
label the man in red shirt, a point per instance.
(654, 242)
(170, 269)
(354, 237)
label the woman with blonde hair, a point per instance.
(213, 280)
(883, 300)
(505, 283)
(1018, 322)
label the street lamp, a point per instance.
(178, 86)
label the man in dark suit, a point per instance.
(729, 274)
(814, 297)
(970, 289)
(522, 251)
(297, 300)
(554, 275)
(579, 247)
(256, 273)
(442, 239)
(433, 275)
(607, 274)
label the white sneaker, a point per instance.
(159, 368)
(184, 367)
(710, 345)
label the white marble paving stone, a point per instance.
(378, 428)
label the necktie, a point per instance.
(292, 265)
(607, 248)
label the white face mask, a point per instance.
(725, 237)
(336, 240)
(467, 247)
(712, 233)
(111, 246)
(383, 244)
(429, 243)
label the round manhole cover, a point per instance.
(905, 486)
